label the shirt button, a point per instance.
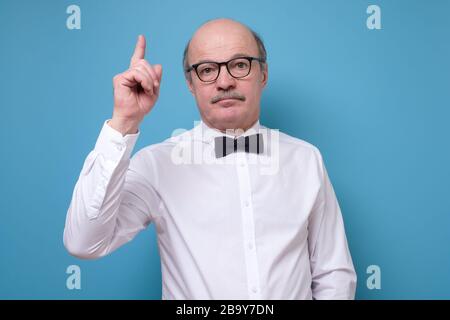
(247, 203)
(119, 147)
(254, 289)
(250, 246)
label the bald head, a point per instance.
(213, 36)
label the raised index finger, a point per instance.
(139, 51)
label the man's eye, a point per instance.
(206, 70)
(241, 65)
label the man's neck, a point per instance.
(232, 131)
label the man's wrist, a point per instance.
(123, 127)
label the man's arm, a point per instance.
(111, 201)
(333, 274)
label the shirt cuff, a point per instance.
(112, 145)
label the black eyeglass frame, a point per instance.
(220, 64)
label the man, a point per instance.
(226, 229)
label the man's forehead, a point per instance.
(222, 44)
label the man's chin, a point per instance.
(230, 113)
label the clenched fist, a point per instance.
(135, 91)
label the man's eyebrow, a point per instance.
(236, 55)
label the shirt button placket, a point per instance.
(248, 226)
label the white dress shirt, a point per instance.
(244, 226)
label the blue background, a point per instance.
(375, 102)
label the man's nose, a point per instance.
(225, 81)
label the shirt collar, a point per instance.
(207, 133)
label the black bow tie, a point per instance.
(225, 145)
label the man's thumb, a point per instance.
(158, 71)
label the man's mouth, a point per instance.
(227, 103)
(229, 99)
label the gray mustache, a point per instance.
(228, 95)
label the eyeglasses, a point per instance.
(238, 68)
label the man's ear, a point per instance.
(265, 74)
(190, 85)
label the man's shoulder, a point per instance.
(292, 142)
(166, 146)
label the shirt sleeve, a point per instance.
(333, 274)
(112, 200)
